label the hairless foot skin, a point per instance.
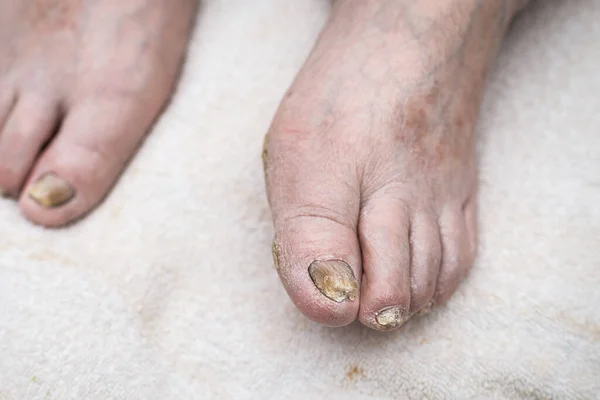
(370, 162)
(81, 83)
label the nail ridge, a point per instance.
(335, 279)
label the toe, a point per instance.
(426, 254)
(31, 123)
(315, 210)
(456, 254)
(80, 165)
(384, 231)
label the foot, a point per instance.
(81, 83)
(370, 162)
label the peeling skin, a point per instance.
(334, 279)
(276, 250)
(50, 191)
(391, 317)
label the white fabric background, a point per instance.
(167, 290)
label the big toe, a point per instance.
(78, 168)
(315, 212)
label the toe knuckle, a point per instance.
(315, 211)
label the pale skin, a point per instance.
(370, 162)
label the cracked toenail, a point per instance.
(276, 252)
(335, 279)
(51, 191)
(425, 310)
(391, 317)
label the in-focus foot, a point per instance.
(370, 162)
(81, 82)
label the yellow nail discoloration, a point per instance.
(51, 191)
(3, 192)
(335, 279)
(276, 253)
(391, 317)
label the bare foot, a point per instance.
(371, 164)
(81, 82)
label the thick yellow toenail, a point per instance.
(51, 191)
(335, 279)
(391, 317)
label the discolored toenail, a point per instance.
(391, 317)
(3, 192)
(51, 191)
(425, 310)
(335, 279)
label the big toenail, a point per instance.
(51, 191)
(335, 279)
(391, 317)
(426, 310)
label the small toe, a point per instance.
(455, 254)
(74, 173)
(31, 123)
(384, 232)
(426, 255)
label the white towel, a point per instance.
(167, 291)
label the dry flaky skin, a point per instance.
(391, 317)
(276, 252)
(51, 191)
(335, 279)
(425, 310)
(265, 153)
